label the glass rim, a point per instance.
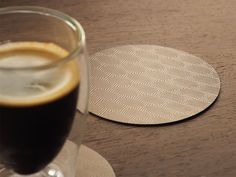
(68, 20)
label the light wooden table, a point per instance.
(201, 147)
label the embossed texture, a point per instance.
(147, 84)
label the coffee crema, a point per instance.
(37, 106)
(34, 87)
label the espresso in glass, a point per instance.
(37, 107)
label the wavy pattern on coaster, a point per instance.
(147, 84)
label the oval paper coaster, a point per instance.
(89, 164)
(147, 84)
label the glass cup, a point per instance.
(43, 73)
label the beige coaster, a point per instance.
(91, 164)
(147, 84)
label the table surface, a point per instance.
(200, 147)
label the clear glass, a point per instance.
(43, 79)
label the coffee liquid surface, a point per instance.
(34, 87)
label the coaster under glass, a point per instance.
(89, 164)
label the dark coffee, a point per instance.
(30, 137)
(37, 108)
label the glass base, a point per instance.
(49, 171)
(64, 165)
